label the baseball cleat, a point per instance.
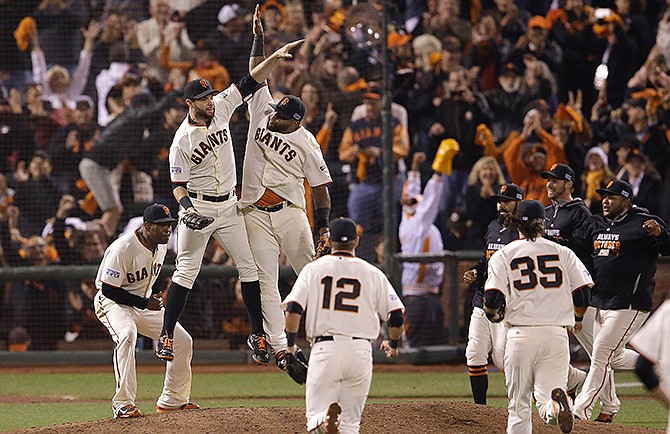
(259, 345)
(127, 411)
(164, 348)
(605, 418)
(280, 359)
(187, 406)
(565, 419)
(333, 418)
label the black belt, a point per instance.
(281, 205)
(331, 338)
(208, 198)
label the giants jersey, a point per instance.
(129, 265)
(202, 156)
(537, 279)
(343, 295)
(279, 161)
(418, 234)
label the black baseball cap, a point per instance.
(509, 192)
(559, 171)
(289, 107)
(198, 88)
(158, 213)
(531, 210)
(342, 230)
(618, 188)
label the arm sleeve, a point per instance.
(428, 207)
(300, 292)
(497, 274)
(227, 101)
(80, 76)
(121, 296)
(346, 149)
(388, 300)
(180, 167)
(516, 167)
(577, 273)
(39, 67)
(315, 167)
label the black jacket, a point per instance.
(563, 220)
(624, 258)
(497, 237)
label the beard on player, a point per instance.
(279, 125)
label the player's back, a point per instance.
(345, 296)
(537, 278)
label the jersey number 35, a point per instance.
(550, 276)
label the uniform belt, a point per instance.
(281, 205)
(331, 338)
(208, 198)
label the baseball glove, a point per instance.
(196, 221)
(499, 315)
(322, 247)
(296, 366)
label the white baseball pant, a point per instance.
(339, 371)
(485, 337)
(228, 229)
(536, 362)
(616, 329)
(285, 230)
(123, 323)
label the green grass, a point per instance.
(79, 397)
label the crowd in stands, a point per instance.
(90, 96)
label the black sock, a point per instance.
(251, 293)
(479, 382)
(174, 305)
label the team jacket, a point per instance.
(624, 258)
(497, 237)
(418, 234)
(563, 219)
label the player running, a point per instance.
(344, 297)
(539, 288)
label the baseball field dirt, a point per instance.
(413, 417)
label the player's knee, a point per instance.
(183, 339)
(248, 274)
(127, 336)
(183, 280)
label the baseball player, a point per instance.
(539, 288)
(624, 244)
(564, 216)
(344, 298)
(651, 342)
(280, 154)
(485, 337)
(128, 302)
(417, 233)
(202, 170)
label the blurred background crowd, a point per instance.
(517, 85)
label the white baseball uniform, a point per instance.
(130, 266)
(278, 162)
(537, 278)
(651, 341)
(202, 157)
(344, 298)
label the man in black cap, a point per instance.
(344, 298)
(129, 302)
(624, 244)
(280, 156)
(540, 289)
(485, 337)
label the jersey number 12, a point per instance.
(342, 295)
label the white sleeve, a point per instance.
(300, 291)
(578, 275)
(428, 207)
(388, 299)
(315, 168)
(80, 76)
(228, 100)
(497, 274)
(259, 100)
(39, 68)
(112, 269)
(651, 339)
(180, 165)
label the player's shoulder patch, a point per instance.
(115, 274)
(323, 167)
(176, 170)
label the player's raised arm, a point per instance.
(258, 46)
(262, 71)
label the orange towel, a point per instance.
(23, 32)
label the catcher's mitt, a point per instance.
(196, 221)
(322, 247)
(296, 366)
(499, 315)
